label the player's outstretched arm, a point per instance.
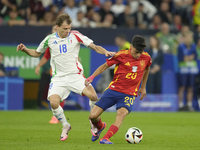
(101, 50)
(98, 71)
(41, 63)
(142, 90)
(30, 52)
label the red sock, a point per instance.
(98, 124)
(62, 103)
(112, 130)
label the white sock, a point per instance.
(189, 104)
(59, 114)
(181, 104)
(92, 103)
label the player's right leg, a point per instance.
(96, 121)
(107, 100)
(59, 114)
(54, 120)
(58, 91)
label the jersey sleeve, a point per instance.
(47, 54)
(82, 38)
(149, 62)
(43, 45)
(112, 60)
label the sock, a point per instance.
(189, 104)
(59, 114)
(112, 130)
(98, 124)
(181, 104)
(62, 103)
(92, 103)
(93, 128)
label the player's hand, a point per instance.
(37, 70)
(21, 47)
(142, 92)
(109, 53)
(89, 80)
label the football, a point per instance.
(133, 135)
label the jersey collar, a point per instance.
(129, 51)
(58, 35)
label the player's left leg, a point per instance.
(90, 93)
(121, 114)
(77, 85)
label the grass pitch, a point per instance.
(30, 130)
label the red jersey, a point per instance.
(128, 71)
(47, 54)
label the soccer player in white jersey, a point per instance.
(66, 69)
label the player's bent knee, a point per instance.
(54, 105)
(92, 116)
(123, 112)
(121, 115)
(93, 97)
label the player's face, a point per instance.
(64, 29)
(135, 53)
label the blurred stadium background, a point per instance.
(25, 125)
(30, 21)
(25, 65)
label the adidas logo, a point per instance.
(127, 64)
(54, 42)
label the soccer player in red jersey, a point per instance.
(132, 67)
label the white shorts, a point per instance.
(62, 86)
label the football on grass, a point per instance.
(133, 135)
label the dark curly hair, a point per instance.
(138, 43)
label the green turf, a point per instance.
(30, 130)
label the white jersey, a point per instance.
(64, 52)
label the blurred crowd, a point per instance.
(143, 14)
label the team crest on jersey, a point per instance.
(134, 68)
(142, 64)
(70, 40)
